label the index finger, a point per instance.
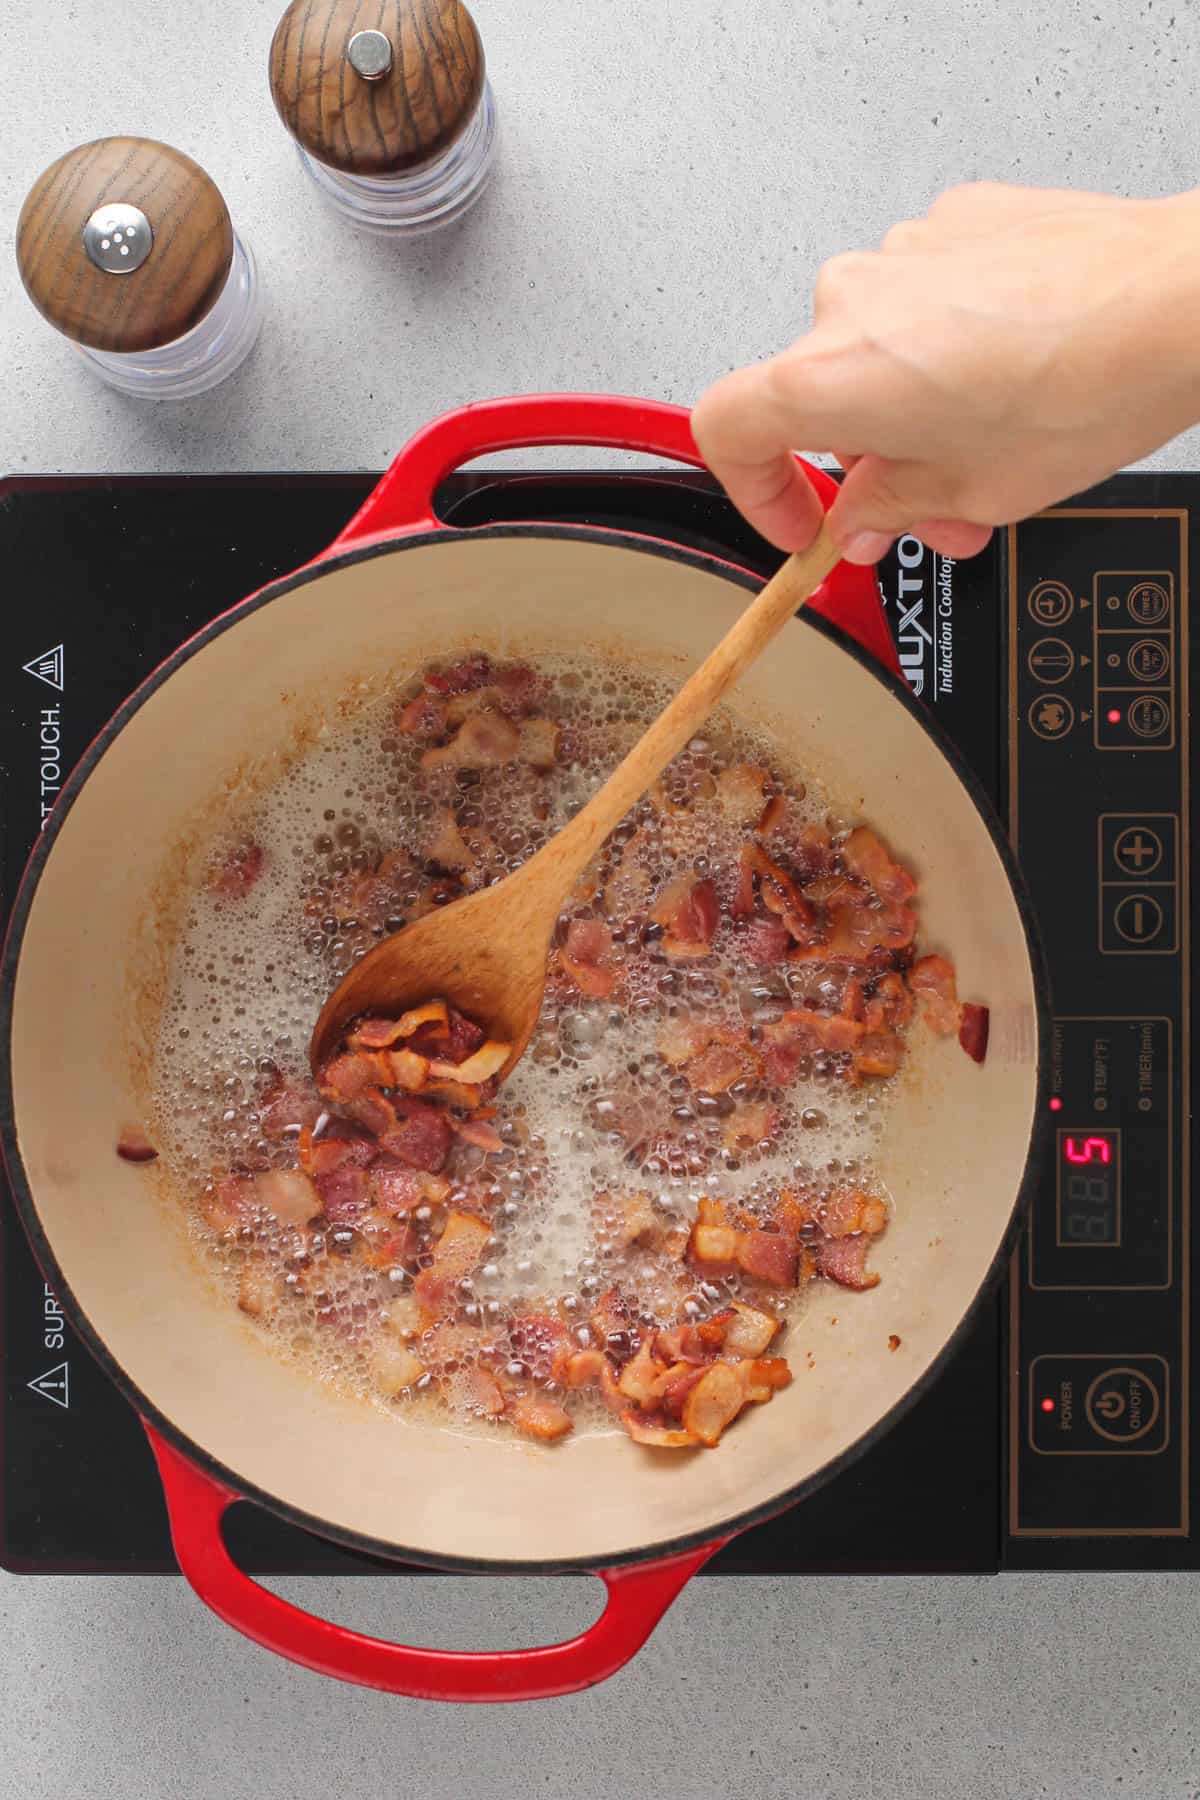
(744, 437)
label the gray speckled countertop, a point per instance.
(673, 173)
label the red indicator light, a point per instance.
(1047, 1406)
(1055, 1104)
(1114, 715)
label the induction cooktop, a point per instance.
(1059, 1435)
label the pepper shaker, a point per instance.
(125, 245)
(390, 107)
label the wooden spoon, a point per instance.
(486, 953)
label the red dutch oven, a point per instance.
(87, 945)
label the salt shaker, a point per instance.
(394, 119)
(126, 246)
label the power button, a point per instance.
(1095, 1405)
(1123, 1404)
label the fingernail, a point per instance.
(866, 547)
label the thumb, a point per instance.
(880, 499)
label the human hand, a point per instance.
(1005, 351)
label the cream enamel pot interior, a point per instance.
(226, 1418)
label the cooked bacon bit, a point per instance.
(610, 1393)
(289, 1195)
(542, 1418)
(236, 873)
(586, 957)
(381, 1034)
(610, 1318)
(638, 1225)
(235, 1203)
(681, 1039)
(655, 1436)
(973, 1031)
(423, 717)
(763, 942)
(869, 860)
(287, 1110)
(768, 1256)
(420, 1135)
(893, 1342)
(345, 1077)
(780, 894)
(772, 816)
(745, 896)
(811, 851)
(461, 1244)
(931, 978)
(723, 1064)
(384, 1242)
(447, 847)
(134, 1146)
(538, 744)
(714, 1402)
(583, 1368)
(638, 1380)
(407, 1070)
(474, 671)
(258, 1290)
(857, 929)
(399, 1190)
(487, 740)
(770, 1372)
(750, 1125)
(478, 1132)
(714, 1246)
(475, 1069)
(710, 1212)
(793, 1213)
(344, 1196)
(750, 1331)
(688, 913)
(879, 1055)
(675, 1384)
(740, 793)
(844, 1260)
(474, 1390)
(806, 1031)
(458, 1093)
(847, 1210)
(372, 1110)
(394, 1366)
(333, 1150)
(890, 1005)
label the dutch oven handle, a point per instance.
(638, 1596)
(402, 502)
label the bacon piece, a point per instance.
(399, 1190)
(681, 1344)
(714, 1403)
(258, 1289)
(473, 1390)
(611, 1320)
(656, 1436)
(751, 1124)
(811, 852)
(419, 1135)
(333, 1150)
(844, 1260)
(407, 1070)
(457, 1093)
(385, 1242)
(394, 1366)
(638, 1380)
(580, 1368)
(538, 741)
(381, 1034)
(542, 1418)
(343, 1078)
(973, 1031)
(847, 1210)
(459, 1249)
(234, 1204)
(714, 1248)
(487, 740)
(766, 1375)
(447, 847)
(423, 717)
(237, 871)
(726, 1060)
(477, 1068)
(772, 816)
(763, 943)
(857, 929)
(134, 1146)
(890, 1006)
(804, 1031)
(287, 1109)
(478, 1132)
(586, 957)
(745, 897)
(740, 793)
(344, 1195)
(931, 979)
(474, 671)
(688, 913)
(769, 1256)
(870, 861)
(878, 1055)
(793, 1213)
(639, 1226)
(780, 893)
(675, 1384)
(373, 1111)
(288, 1195)
(750, 1331)
(540, 1341)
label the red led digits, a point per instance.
(1093, 1149)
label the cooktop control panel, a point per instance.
(1098, 799)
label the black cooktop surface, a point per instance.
(1059, 1435)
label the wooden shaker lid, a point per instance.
(124, 244)
(376, 89)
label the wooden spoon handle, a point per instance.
(572, 849)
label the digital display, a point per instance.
(1089, 1187)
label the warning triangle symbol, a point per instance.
(54, 1385)
(48, 667)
